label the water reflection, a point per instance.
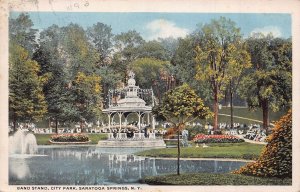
(94, 166)
(20, 169)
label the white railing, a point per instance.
(151, 135)
(136, 136)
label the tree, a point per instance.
(126, 50)
(184, 68)
(74, 90)
(155, 74)
(101, 37)
(180, 106)
(26, 99)
(152, 49)
(218, 48)
(276, 158)
(22, 33)
(87, 89)
(81, 74)
(170, 45)
(268, 84)
(238, 63)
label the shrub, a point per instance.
(194, 130)
(276, 158)
(201, 138)
(70, 138)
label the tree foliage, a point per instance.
(21, 31)
(74, 90)
(220, 50)
(276, 158)
(26, 98)
(184, 66)
(126, 50)
(180, 106)
(153, 49)
(268, 84)
(77, 67)
(100, 36)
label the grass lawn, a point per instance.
(43, 139)
(244, 112)
(221, 150)
(213, 179)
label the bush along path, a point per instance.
(276, 158)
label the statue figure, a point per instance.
(184, 141)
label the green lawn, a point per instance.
(43, 139)
(245, 112)
(225, 150)
(213, 179)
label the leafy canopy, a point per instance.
(26, 97)
(181, 105)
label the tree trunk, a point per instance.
(56, 126)
(15, 122)
(81, 127)
(178, 150)
(231, 107)
(216, 108)
(265, 109)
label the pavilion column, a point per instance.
(139, 115)
(109, 122)
(125, 121)
(153, 122)
(148, 118)
(120, 121)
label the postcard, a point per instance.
(129, 95)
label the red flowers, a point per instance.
(70, 137)
(201, 138)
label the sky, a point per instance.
(161, 25)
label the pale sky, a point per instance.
(160, 25)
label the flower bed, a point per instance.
(69, 138)
(201, 138)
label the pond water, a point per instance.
(87, 165)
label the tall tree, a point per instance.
(216, 51)
(180, 106)
(74, 92)
(22, 32)
(126, 50)
(184, 64)
(170, 45)
(153, 73)
(81, 65)
(268, 84)
(238, 63)
(153, 49)
(100, 36)
(57, 95)
(26, 99)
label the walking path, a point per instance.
(239, 117)
(251, 141)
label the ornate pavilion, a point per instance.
(131, 103)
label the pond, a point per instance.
(91, 165)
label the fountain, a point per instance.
(22, 142)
